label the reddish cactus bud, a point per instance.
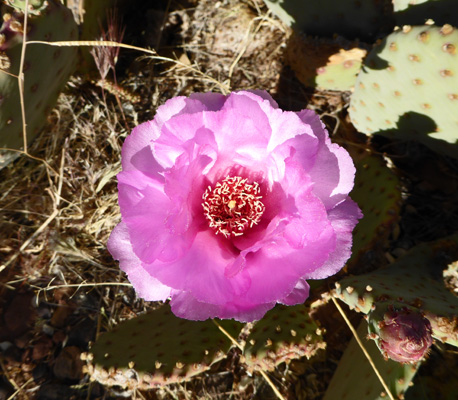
(404, 335)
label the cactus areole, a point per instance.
(228, 204)
(405, 335)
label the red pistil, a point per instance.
(233, 206)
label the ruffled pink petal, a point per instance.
(212, 101)
(145, 285)
(185, 134)
(145, 209)
(185, 305)
(173, 140)
(299, 294)
(343, 218)
(297, 241)
(177, 106)
(137, 153)
(301, 148)
(201, 270)
(256, 95)
(185, 186)
(307, 215)
(242, 128)
(333, 171)
(275, 268)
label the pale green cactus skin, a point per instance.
(408, 12)
(408, 88)
(327, 64)
(35, 6)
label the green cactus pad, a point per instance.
(377, 192)
(285, 333)
(355, 378)
(158, 348)
(324, 63)
(408, 12)
(348, 18)
(410, 281)
(35, 6)
(408, 88)
(46, 70)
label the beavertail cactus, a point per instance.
(419, 11)
(377, 191)
(46, 68)
(35, 6)
(408, 88)
(284, 334)
(156, 349)
(328, 64)
(402, 333)
(411, 282)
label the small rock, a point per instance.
(6, 389)
(42, 348)
(59, 337)
(60, 316)
(54, 391)
(40, 371)
(68, 364)
(20, 314)
(82, 333)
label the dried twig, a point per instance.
(237, 344)
(21, 76)
(355, 334)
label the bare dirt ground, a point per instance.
(60, 287)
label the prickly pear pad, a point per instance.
(284, 334)
(157, 349)
(378, 191)
(46, 70)
(409, 281)
(408, 88)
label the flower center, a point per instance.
(233, 206)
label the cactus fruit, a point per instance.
(156, 349)
(347, 18)
(284, 333)
(408, 88)
(401, 333)
(410, 282)
(324, 63)
(355, 378)
(46, 69)
(377, 191)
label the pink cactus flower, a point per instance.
(405, 335)
(228, 204)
